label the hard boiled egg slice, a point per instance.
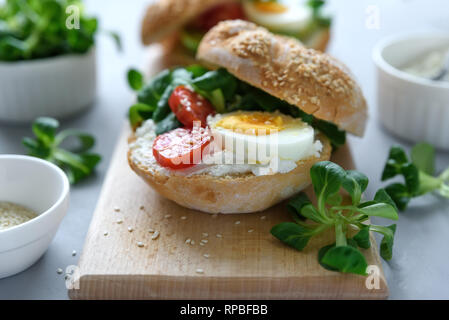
(259, 137)
(288, 16)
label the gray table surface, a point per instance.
(419, 269)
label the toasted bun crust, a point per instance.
(177, 55)
(164, 17)
(231, 194)
(315, 82)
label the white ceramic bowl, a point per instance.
(42, 187)
(55, 87)
(411, 107)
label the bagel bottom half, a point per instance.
(243, 193)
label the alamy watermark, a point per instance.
(73, 18)
(372, 281)
(372, 21)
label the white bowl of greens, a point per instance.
(47, 60)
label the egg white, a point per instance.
(293, 143)
(295, 19)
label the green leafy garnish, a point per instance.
(135, 79)
(344, 255)
(138, 112)
(318, 16)
(418, 174)
(35, 29)
(78, 163)
(222, 89)
(191, 39)
(169, 123)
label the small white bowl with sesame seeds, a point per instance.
(42, 187)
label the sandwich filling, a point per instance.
(286, 17)
(194, 121)
(253, 156)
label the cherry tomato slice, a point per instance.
(181, 148)
(189, 106)
(221, 12)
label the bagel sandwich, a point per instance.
(242, 136)
(179, 25)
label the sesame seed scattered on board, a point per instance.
(183, 217)
(199, 271)
(206, 255)
(188, 241)
(59, 271)
(202, 244)
(105, 233)
(130, 229)
(219, 235)
(142, 207)
(155, 235)
(73, 253)
(140, 244)
(251, 230)
(167, 216)
(263, 217)
(116, 209)
(237, 222)
(119, 221)
(204, 241)
(150, 230)
(205, 234)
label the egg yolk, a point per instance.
(270, 7)
(256, 123)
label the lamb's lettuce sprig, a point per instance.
(222, 89)
(330, 211)
(78, 162)
(418, 174)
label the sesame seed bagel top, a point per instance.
(315, 82)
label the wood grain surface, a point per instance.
(243, 262)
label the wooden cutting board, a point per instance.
(246, 262)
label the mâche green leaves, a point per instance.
(222, 89)
(135, 79)
(328, 179)
(35, 29)
(293, 234)
(417, 173)
(191, 39)
(318, 16)
(78, 163)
